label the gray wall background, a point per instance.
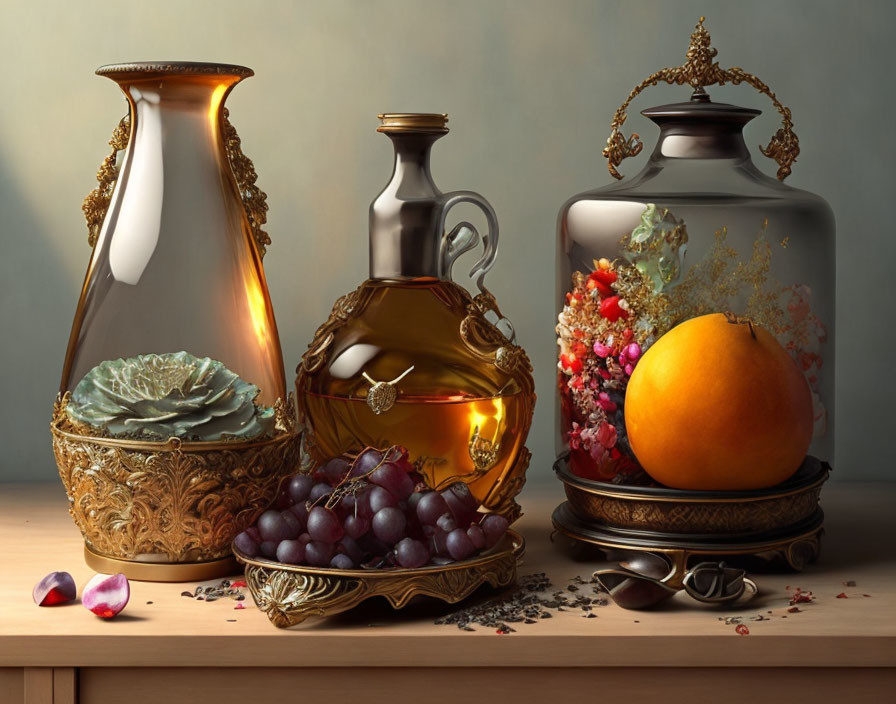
(530, 87)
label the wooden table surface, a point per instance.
(164, 642)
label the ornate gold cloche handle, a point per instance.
(254, 199)
(699, 70)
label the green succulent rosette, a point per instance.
(158, 396)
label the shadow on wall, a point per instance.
(36, 308)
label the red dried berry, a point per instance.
(842, 595)
(742, 630)
(609, 309)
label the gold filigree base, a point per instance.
(152, 508)
(736, 514)
(161, 571)
(290, 594)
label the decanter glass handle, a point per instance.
(464, 237)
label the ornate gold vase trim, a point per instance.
(96, 204)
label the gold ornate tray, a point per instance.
(696, 514)
(289, 594)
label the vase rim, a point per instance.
(182, 68)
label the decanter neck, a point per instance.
(404, 243)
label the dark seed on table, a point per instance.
(589, 615)
(189, 594)
(148, 602)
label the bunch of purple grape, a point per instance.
(375, 511)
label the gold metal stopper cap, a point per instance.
(413, 122)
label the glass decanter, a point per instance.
(699, 230)
(410, 357)
(172, 430)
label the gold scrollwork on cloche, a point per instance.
(289, 595)
(700, 70)
(96, 204)
(171, 501)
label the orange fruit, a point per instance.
(713, 405)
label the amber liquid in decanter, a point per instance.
(454, 415)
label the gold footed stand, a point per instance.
(668, 530)
(161, 571)
(290, 594)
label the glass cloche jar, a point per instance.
(699, 230)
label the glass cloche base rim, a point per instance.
(811, 472)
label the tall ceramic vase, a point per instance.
(172, 429)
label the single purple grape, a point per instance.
(348, 546)
(494, 527)
(430, 507)
(355, 526)
(335, 470)
(318, 554)
(319, 490)
(300, 511)
(346, 504)
(463, 493)
(435, 540)
(254, 534)
(366, 461)
(388, 525)
(341, 561)
(458, 498)
(324, 525)
(268, 549)
(476, 536)
(380, 498)
(413, 500)
(446, 522)
(460, 547)
(246, 544)
(299, 488)
(272, 527)
(292, 552)
(293, 523)
(394, 480)
(362, 503)
(304, 538)
(411, 553)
